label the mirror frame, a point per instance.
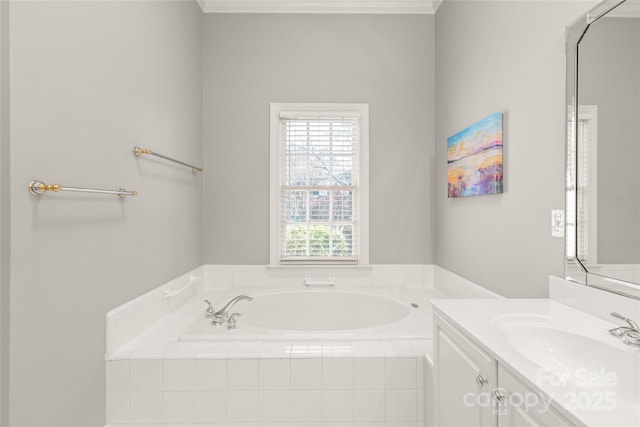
(575, 270)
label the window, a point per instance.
(581, 194)
(319, 183)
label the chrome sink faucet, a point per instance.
(220, 316)
(630, 334)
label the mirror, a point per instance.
(603, 148)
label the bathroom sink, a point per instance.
(567, 357)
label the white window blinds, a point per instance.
(570, 214)
(582, 208)
(581, 187)
(319, 177)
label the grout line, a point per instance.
(129, 387)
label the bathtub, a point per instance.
(320, 314)
(310, 356)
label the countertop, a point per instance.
(565, 354)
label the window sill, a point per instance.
(285, 267)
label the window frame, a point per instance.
(319, 110)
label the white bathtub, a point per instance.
(320, 314)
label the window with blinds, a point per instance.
(581, 193)
(319, 184)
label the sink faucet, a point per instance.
(630, 334)
(220, 316)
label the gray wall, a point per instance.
(4, 210)
(253, 60)
(89, 80)
(609, 70)
(509, 57)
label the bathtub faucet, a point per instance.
(220, 316)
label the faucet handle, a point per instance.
(632, 338)
(210, 310)
(231, 321)
(633, 325)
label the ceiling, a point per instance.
(321, 6)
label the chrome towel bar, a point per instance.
(38, 187)
(140, 151)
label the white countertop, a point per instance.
(602, 382)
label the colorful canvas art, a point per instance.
(475, 159)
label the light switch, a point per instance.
(557, 223)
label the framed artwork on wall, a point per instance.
(474, 159)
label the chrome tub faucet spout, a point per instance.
(220, 316)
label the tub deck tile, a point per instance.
(275, 350)
(306, 350)
(334, 349)
(366, 349)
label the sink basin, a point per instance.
(576, 355)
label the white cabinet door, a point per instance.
(464, 378)
(520, 406)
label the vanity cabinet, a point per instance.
(472, 389)
(463, 378)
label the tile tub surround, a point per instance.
(133, 318)
(360, 383)
(154, 379)
(126, 322)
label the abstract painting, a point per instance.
(474, 159)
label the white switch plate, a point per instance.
(557, 223)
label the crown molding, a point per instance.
(321, 6)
